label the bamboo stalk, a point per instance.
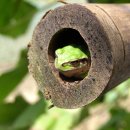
(104, 29)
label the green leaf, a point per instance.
(10, 111)
(15, 16)
(119, 120)
(9, 80)
(20, 115)
(27, 118)
(55, 119)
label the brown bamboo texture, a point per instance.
(105, 29)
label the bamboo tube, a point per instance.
(105, 30)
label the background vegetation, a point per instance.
(22, 107)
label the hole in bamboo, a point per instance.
(62, 38)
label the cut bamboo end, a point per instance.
(102, 29)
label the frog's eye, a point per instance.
(75, 63)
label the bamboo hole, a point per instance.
(62, 38)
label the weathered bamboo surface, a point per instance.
(105, 29)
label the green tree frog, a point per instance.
(72, 61)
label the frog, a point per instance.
(72, 61)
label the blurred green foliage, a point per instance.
(15, 16)
(20, 115)
(10, 80)
(29, 115)
(119, 120)
(10, 111)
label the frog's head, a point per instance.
(71, 59)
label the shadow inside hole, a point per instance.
(64, 37)
(72, 79)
